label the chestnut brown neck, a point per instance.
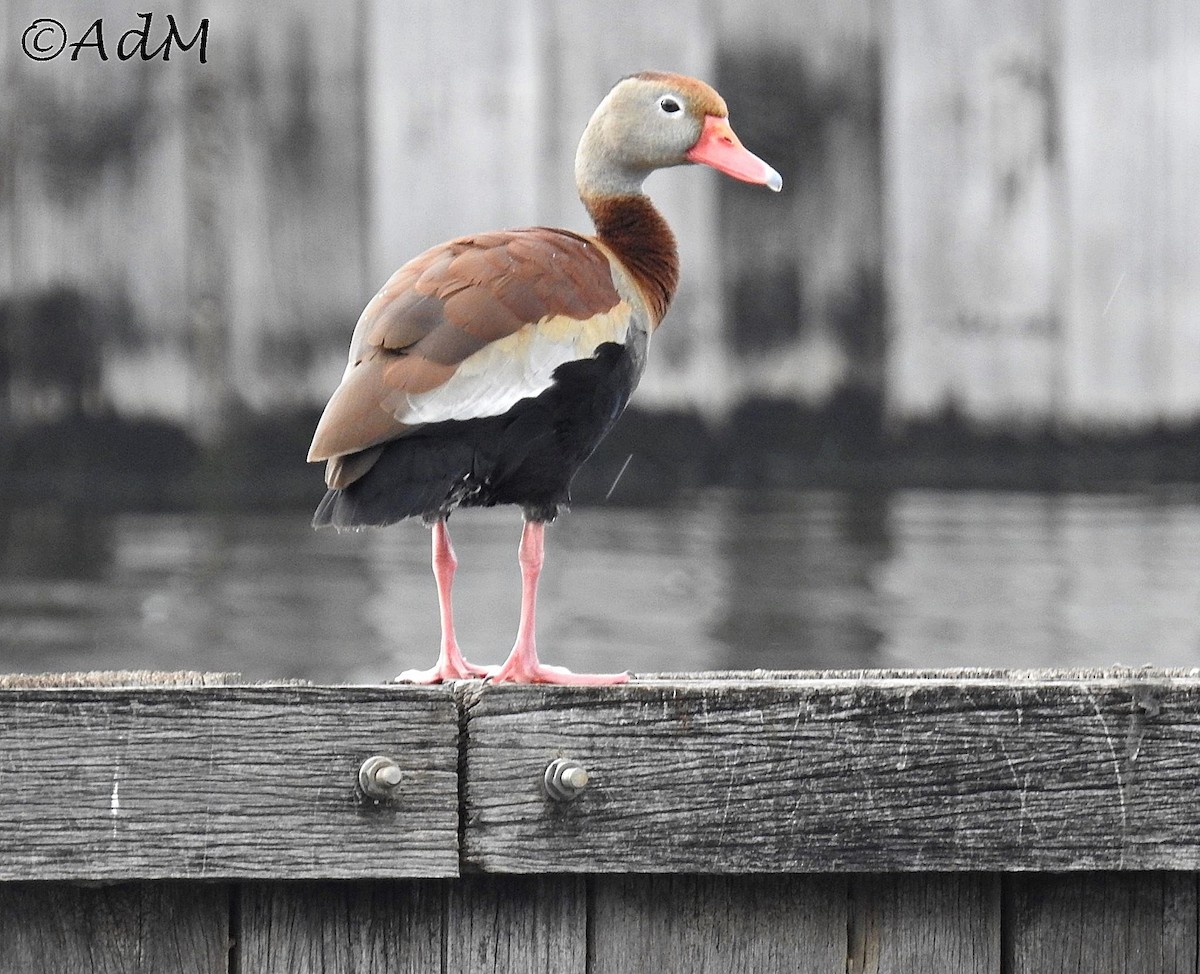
(637, 233)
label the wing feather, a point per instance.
(466, 329)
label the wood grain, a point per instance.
(699, 924)
(136, 928)
(1105, 923)
(905, 774)
(252, 782)
(935, 924)
(341, 928)
(517, 924)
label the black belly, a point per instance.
(528, 456)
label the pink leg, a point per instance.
(450, 663)
(522, 665)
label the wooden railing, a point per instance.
(969, 821)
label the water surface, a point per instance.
(726, 580)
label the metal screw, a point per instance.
(378, 776)
(564, 779)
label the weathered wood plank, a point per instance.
(137, 928)
(254, 782)
(341, 928)
(909, 775)
(517, 924)
(1101, 924)
(767, 924)
(935, 924)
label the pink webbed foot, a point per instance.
(522, 665)
(446, 670)
(518, 670)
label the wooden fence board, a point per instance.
(1091, 924)
(341, 928)
(254, 782)
(1101, 924)
(700, 924)
(935, 924)
(517, 924)
(908, 775)
(137, 928)
(927, 787)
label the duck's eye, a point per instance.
(669, 105)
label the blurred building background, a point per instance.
(989, 224)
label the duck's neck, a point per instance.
(636, 232)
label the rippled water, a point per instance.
(728, 580)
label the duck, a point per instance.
(487, 369)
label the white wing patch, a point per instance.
(495, 378)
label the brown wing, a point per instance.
(438, 311)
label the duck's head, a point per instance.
(653, 120)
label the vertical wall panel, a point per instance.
(187, 203)
(1131, 139)
(455, 137)
(136, 928)
(91, 205)
(341, 928)
(932, 923)
(1101, 923)
(801, 272)
(1033, 163)
(972, 185)
(713, 925)
(517, 924)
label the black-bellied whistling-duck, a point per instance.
(488, 368)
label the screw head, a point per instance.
(564, 779)
(379, 776)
